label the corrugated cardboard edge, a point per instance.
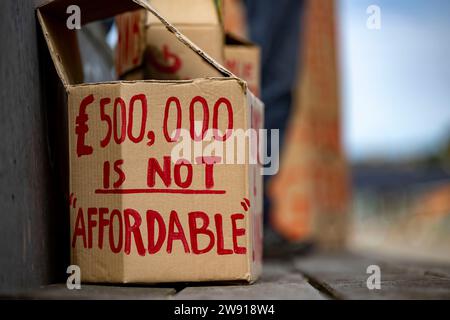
(255, 269)
(248, 276)
(241, 82)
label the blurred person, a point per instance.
(275, 27)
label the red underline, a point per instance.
(137, 191)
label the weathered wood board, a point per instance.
(344, 276)
(279, 282)
(99, 292)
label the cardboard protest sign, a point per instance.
(144, 42)
(243, 58)
(161, 187)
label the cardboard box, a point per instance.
(137, 216)
(143, 40)
(243, 58)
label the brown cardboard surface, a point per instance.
(186, 12)
(145, 40)
(135, 215)
(166, 58)
(87, 183)
(243, 58)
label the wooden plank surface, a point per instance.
(309, 277)
(437, 269)
(279, 282)
(343, 276)
(98, 292)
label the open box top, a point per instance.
(63, 45)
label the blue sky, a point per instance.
(396, 80)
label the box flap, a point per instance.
(186, 12)
(62, 41)
(63, 46)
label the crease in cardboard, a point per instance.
(177, 82)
